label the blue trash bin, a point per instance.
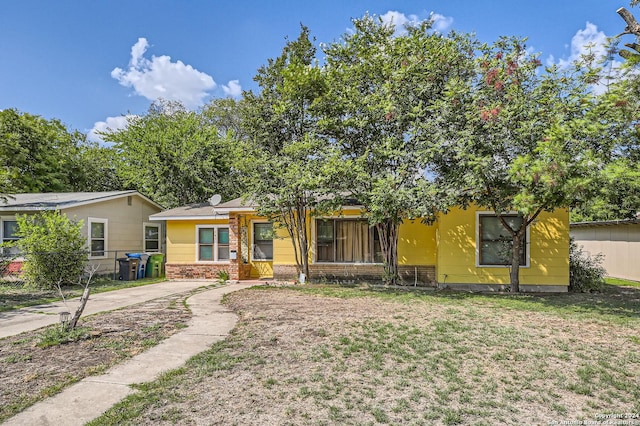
(142, 264)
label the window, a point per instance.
(262, 241)
(9, 234)
(98, 237)
(151, 237)
(495, 241)
(213, 244)
(347, 241)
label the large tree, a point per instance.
(173, 155)
(279, 153)
(382, 86)
(517, 139)
(618, 196)
(37, 155)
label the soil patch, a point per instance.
(29, 373)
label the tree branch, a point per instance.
(632, 25)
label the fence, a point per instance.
(108, 265)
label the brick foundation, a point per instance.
(409, 275)
(195, 271)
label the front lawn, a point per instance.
(336, 355)
(622, 282)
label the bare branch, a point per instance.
(632, 25)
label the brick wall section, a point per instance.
(234, 245)
(426, 275)
(195, 271)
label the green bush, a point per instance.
(586, 273)
(53, 248)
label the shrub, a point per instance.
(586, 273)
(54, 249)
(223, 276)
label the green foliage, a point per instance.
(514, 138)
(37, 155)
(175, 156)
(223, 277)
(99, 169)
(383, 89)
(281, 157)
(54, 249)
(58, 335)
(586, 273)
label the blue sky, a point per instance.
(89, 63)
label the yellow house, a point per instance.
(461, 249)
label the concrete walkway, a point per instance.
(34, 317)
(89, 398)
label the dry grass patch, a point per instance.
(328, 355)
(31, 371)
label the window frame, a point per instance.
(215, 244)
(105, 249)
(144, 237)
(253, 241)
(527, 242)
(314, 238)
(3, 239)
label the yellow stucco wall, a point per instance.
(549, 251)
(417, 243)
(449, 244)
(181, 239)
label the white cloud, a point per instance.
(585, 41)
(233, 88)
(398, 19)
(441, 23)
(589, 41)
(112, 123)
(158, 77)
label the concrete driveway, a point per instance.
(34, 317)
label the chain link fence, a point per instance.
(111, 264)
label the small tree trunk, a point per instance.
(84, 298)
(83, 302)
(295, 221)
(514, 274)
(388, 233)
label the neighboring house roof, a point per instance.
(191, 212)
(62, 200)
(604, 223)
(219, 211)
(205, 210)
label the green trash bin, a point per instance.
(154, 265)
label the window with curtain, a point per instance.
(347, 241)
(213, 244)
(223, 244)
(495, 240)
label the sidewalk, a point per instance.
(34, 317)
(92, 396)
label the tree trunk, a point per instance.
(295, 221)
(388, 234)
(83, 302)
(303, 241)
(514, 274)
